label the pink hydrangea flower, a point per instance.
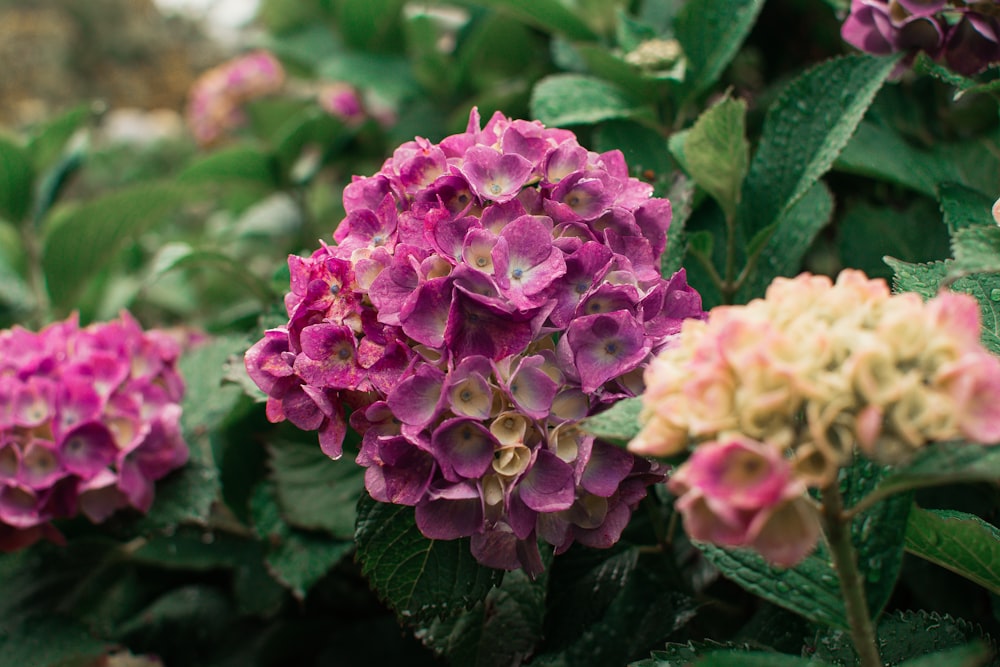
(89, 420)
(486, 293)
(741, 493)
(216, 98)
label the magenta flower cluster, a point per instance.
(486, 293)
(217, 98)
(89, 420)
(966, 36)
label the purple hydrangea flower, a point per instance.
(89, 420)
(486, 294)
(964, 37)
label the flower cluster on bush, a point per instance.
(216, 100)
(965, 35)
(776, 395)
(485, 295)
(89, 420)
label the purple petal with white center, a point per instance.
(40, 465)
(566, 159)
(548, 486)
(33, 402)
(329, 357)
(638, 252)
(581, 196)
(87, 449)
(608, 298)
(269, 359)
(531, 389)
(606, 346)
(585, 268)
(424, 317)
(495, 177)
(525, 261)
(450, 512)
(78, 402)
(468, 391)
(606, 468)
(463, 448)
(418, 399)
(385, 373)
(477, 250)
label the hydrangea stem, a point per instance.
(838, 534)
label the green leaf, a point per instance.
(576, 99)
(964, 207)
(970, 655)
(787, 245)
(865, 234)
(47, 641)
(183, 496)
(238, 163)
(314, 491)
(296, 558)
(16, 178)
(391, 76)
(879, 152)
(716, 152)
(81, 240)
(681, 195)
(960, 542)
(208, 400)
(608, 606)
(48, 141)
(923, 279)
(644, 149)
(937, 464)
(419, 578)
(755, 659)
(977, 249)
(371, 25)
(196, 550)
(878, 532)
(711, 33)
(223, 266)
(810, 588)
(683, 655)
(549, 15)
(805, 130)
(904, 635)
(985, 287)
(501, 630)
(618, 424)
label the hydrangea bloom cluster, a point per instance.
(216, 98)
(485, 294)
(89, 420)
(965, 35)
(801, 378)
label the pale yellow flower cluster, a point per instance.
(816, 369)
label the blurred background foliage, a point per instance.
(107, 202)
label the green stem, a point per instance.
(838, 534)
